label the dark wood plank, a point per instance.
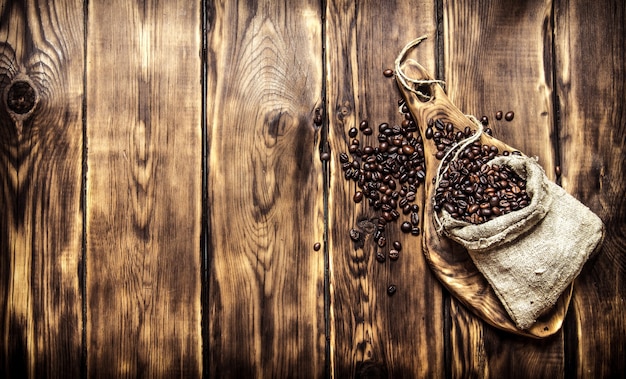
(373, 334)
(498, 58)
(41, 82)
(265, 314)
(144, 189)
(591, 82)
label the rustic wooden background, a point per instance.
(160, 202)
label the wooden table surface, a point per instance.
(161, 187)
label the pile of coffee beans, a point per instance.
(387, 175)
(478, 193)
(471, 189)
(444, 135)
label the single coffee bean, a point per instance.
(408, 149)
(391, 290)
(358, 197)
(449, 208)
(397, 245)
(317, 246)
(415, 220)
(380, 256)
(484, 120)
(343, 158)
(353, 132)
(415, 231)
(388, 73)
(325, 156)
(394, 254)
(429, 133)
(382, 241)
(368, 131)
(406, 227)
(509, 115)
(406, 209)
(499, 115)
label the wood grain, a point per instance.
(591, 82)
(498, 58)
(144, 189)
(373, 334)
(41, 82)
(266, 190)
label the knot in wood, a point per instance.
(21, 97)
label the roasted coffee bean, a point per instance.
(325, 156)
(364, 124)
(415, 231)
(397, 245)
(406, 227)
(472, 208)
(499, 115)
(429, 133)
(410, 196)
(358, 197)
(317, 246)
(382, 241)
(394, 254)
(484, 120)
(408, 149)
(391, 290)
(449, 208)
(343, 158)
(415, 220)
(388, 73)
(353, 132)
(380, 256)
(509, 115)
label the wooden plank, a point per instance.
(591, 82)
(144, 189)
(41, 82)
(497, 57)
(373, 334)
(265, 206)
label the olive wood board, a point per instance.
(449, 261)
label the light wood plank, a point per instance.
(265, 204)
(498, 58)
(373, 334)
(144, 189)
(591, 82)
(41, 83)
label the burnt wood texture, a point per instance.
(143, 189)
(41, 147)
(172, 203)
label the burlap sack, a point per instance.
(530, 256)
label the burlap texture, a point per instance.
(530, 256)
